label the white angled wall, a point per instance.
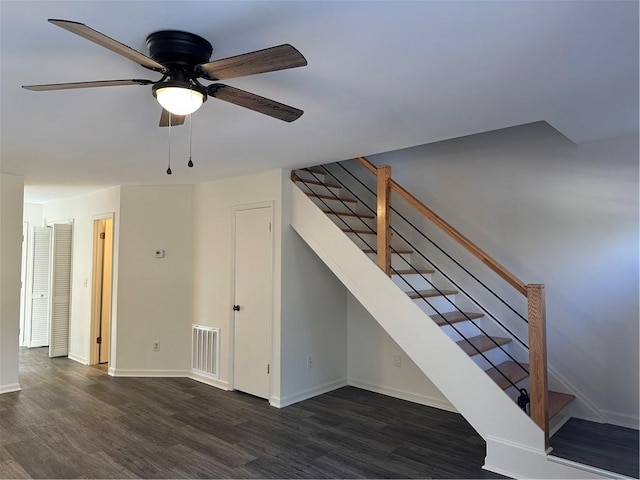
(560, 214)
(11, 199)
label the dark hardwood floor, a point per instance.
(73, 421)
(600, 445)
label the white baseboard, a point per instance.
(11, 387)
(122, 372)
(209, 380)
(78, 358)
(403, 395)
(306, 394)
(590, 410)
(622, 419)
(520, 461)
(600, 473)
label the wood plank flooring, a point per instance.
(73, 421)
(600, 445)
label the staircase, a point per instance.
(466, 331)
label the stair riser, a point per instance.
(513, 393)
(336, 205)
(438, 304)
(316, 177)
(466, 328)
(363, 240)
(320, 189)
(416, 281)
(343, 221)
(397, 261)
(495, 355)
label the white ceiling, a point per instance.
(382, 75)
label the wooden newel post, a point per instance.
(538, 358)
(384, 219)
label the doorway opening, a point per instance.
(102, 278)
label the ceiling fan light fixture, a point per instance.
(179, 100)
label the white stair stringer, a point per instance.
(507, 430)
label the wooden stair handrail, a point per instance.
(509, 277)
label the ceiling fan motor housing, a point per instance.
(179, 51)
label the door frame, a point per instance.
(270, 204)
(94, 349)
(24, 279)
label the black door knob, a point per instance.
(236, 308)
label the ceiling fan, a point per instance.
(183, 59)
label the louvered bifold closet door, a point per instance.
(39, 334)
(61, 290)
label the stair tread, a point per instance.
(482, 343)
(348, 214)
(454, 317)
(410, 271)
(330, 197)
(511, 370)
(557, 401)
(431, 293)
(397, 250)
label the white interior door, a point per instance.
(60, 290)
(253, 292)
(41, 281)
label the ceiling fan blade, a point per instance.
(101, 83)
(254, 102)
(175, 119)
(260, 61)
(108, 42)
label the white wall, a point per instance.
(555, 213)
(153, 294)
(309, 304)
(82, 210)
(314, 318)
(11, 199)
(212, 297)
(372, 356)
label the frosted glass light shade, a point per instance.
(179, 101)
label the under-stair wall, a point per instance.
(378, 364)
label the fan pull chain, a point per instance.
(190, 164)
(169, 172)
